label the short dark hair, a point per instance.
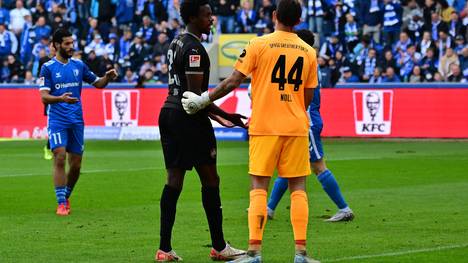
(190, 8)
(289, 12)
(307, 36)
(59, 34)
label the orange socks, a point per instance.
(257, 216)
(299, 217)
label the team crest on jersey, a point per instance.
(76, 72)
(58, 75)
(373, 111)
(121, 107)
(194, 61)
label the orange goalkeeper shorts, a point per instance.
(288, 154)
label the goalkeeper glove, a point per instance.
(192, 102)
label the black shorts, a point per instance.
(187, 140)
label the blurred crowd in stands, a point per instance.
(371, 41)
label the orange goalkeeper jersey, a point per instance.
(282, 66)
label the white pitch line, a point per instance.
(105, 170)
(399, 253)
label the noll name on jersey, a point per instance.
(286, 97)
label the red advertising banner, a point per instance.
(401, 112)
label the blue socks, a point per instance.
(280, 187)
(68, 192)
(330, 186)
(60, 193)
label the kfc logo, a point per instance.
(373, 111)
(121, 107)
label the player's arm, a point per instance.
(103, 81)
(246, 63)
(47, 98)
(227, 85)
(45, 85)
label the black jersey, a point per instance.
(186, 55)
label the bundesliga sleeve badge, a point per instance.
(194, 61)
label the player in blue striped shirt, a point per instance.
(317, 163)
(60, 86)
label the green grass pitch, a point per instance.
(410, 200)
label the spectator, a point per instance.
(16, 70)
(226, 14)
(246, 18)
(455, 74)
(106, 11)
(438, 77)
(351, 32)
(40, 12)
(459, 44)
(449, 58)
(389, 61)
(93, 61)
(124, 12)
(162, 76)
(8, 42)
(17, 18)
(376, 76)
(27, 40)
(390, 76)
(446, 10)
(316, 11)
(138, 51)
(125, 43)
(368, 67)
(348, 76)
(42, 29)
(105, 64)
(29, 78)
(372, 18)
(4, 72)
(444, 42)
(146, 29)
(416, 76)
(429, 65)
(4, 14)
(456, 26)
(413, 20)
(330, 47)
(392, 21)
(97, 45)
(162, 46)
(435, 26)
(41, 45)
(111, 49)
(425, 43)
(403, 43)
(148, 77)
(464, 62)
(325, 73)
(130, 76)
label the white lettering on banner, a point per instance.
(35, 133)
(121, 107)
(373, 111)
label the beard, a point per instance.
(65, 54)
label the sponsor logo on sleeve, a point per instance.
(194, 61)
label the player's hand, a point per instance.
(112, 74)
(192, 102)
(66, 97)
(237, 120)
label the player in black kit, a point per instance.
(188, 140)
